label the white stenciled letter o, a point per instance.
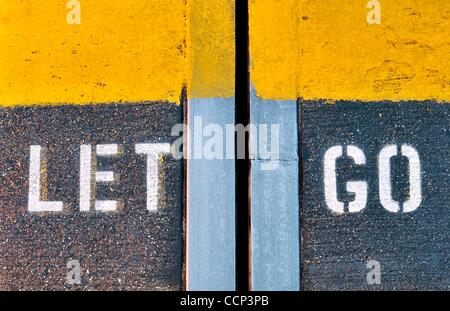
(384, 179)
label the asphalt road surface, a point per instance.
(129, 248)
(410, 244)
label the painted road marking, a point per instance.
(87, 53)
(375, 187)
(96, 184)
(363, 52)
(35, 204)
(153, 152)
(211, 52)
(112, 51)
(359, 188)
(115, 54)
(321, 50)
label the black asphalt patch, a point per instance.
(132, 248)
(413, 248)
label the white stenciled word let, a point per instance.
(90, 176)
(360, 188)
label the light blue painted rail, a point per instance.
(275, 204)
(211, 205)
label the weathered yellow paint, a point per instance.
(121, 51)
(321, 49)
(273, 41)
(211, 48)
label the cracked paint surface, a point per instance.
(316, 49)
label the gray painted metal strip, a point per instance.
(211, 206)
(275, 233)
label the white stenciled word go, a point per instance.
(360, 188)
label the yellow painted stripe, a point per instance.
(211, 48)
(321, 49)
(273, 48)
(122, 50)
